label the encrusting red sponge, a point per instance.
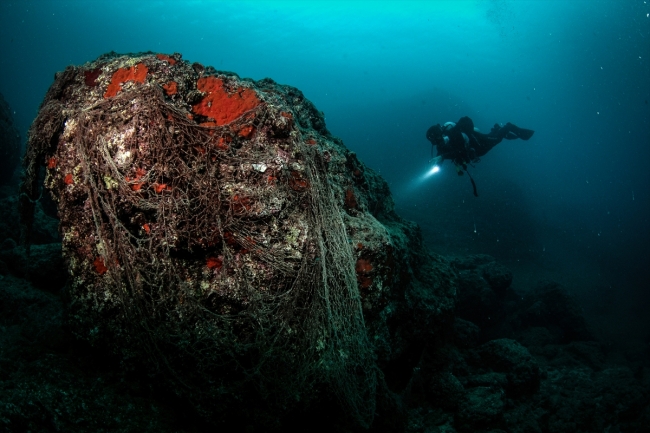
(136, 73)
(221, 106)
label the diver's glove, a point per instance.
(436, 161)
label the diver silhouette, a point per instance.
(463, 144)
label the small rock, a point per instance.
(446, 391)
(509, 357)
(482, 407)
(7, 244)
(551, 306)
(498, 277)
(472, 261)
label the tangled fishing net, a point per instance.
(207, 225)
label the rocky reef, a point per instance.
(213, 226)
(228, 263)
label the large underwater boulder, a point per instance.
(213, 228)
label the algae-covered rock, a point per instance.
(213, 227)
(515, 361)
(482, 406)
(550, 305)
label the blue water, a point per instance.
(572, 204)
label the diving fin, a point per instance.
(525, 134)
(522, 133)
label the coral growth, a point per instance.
(166, 58)
(246, 131)
(100, 268)
(170, 88)
(134, 182)
(90, 77)
(363, 269)
(350, 199)
(137, 73)
(219, 105)
(159, 187)
(297, 182)
(214, 263)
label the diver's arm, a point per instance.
(444, 148)
(443, 152)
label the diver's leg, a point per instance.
(485, 142)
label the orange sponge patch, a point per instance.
(350, 199)
(99, 265)
(246, 131)
(221, 106)
(170, 88)
(214, 262)
(136, 73)
(166, 58)
(363, 268)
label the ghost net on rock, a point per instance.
(230, 271)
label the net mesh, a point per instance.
(203, 251)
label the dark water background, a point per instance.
(572, 204)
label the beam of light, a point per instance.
(435, 169)
(430, 172)
(421, 179)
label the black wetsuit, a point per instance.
(463, 144)
(463, 151)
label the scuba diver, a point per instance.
(463, 144)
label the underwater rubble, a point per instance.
(224, 261)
